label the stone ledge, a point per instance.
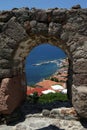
(61, 113)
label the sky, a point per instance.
(43, 4)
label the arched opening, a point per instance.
(30, 44)
(46, 68)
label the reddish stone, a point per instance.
(12, 93)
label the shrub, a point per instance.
(33, 98)
(54, 79)
(51, 97)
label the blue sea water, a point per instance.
(42, 62)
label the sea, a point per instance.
(42, 62)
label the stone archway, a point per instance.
(23, 29)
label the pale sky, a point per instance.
(44, 4)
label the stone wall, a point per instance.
(23, 29)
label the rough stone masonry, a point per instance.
(23, 29)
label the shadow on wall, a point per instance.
(83, 122)
(69, 81)
(50, 127)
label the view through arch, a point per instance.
(46, 67)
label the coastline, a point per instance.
(59, 78)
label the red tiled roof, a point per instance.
(46, 84)
(32, 90)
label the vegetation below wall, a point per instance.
(48, 98)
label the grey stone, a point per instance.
(65, 36)
(54, 29)
(21, 127)
(85, 45)
(23, 29)
(5, 16)
(42, 28)
(46, 112)
(15, 31)
(33, 23)
(5, 73)
(6, 53)
(59, 15)
(80, 66)
(81, 77)
(80, 97)
(41, 16)
(5, 64)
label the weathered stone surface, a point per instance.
(79, 100)
(64, 113)
(1, 26)
(22, 14)
(41, 16)
(5, 73)
(5, 16)
(38, 123)
(7, 42)
(46, 112)
(22, 29)
(80, 54)
(65, 36)
(6, 54)
(80, 79)
(27, 26)
(80, 66)
(14, 30)
(4, 64)
(59, 15)
(12, 93)
(54, 29)
(33, 23)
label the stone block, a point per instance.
(41, 16)
(80, 79)
(64, 113)
(5, 73)
(79, 99)
(80, 66)
(54, 29)
(14, 30)
(12, 93)
(4, 64)
(5, 16)
(59, 15)
(46, 112)
(42, 28)
(65, 36)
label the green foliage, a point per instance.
(54, 79)
(33, 98)
(51, 97)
